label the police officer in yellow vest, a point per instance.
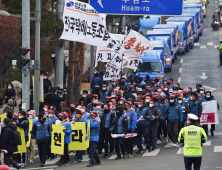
(192, 137)
(220, 49)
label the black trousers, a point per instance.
(65, 157)
(8, 160)
(104, 135)
(20, 156)
(120, 142)
(172, 129)
(142, 131)
(94, 157)
(196, 162)
(129, 144)
(220, 58)
(42, 147)
(205, 127)
(162, 125)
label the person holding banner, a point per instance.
(67, 131)
(119, 126)
(23, 123)
(41, 130)
(31, 150)
(192, 137)
(51, 119)
(7, 145)
(209, 97)
(94, 138)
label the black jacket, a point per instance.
(9, 93)
(7, 138)
(1, 101)
(116, 123)
(23, 125)
(85, 101)
(57, 100)
(47, 84)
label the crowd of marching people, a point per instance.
(153, 109)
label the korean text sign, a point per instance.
(22, 147)
(57, 145)
(82, 23)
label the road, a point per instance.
(204, 58)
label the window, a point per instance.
(150, 67)
(179, 35)
(143, 31)
(166, 52)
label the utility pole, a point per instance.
(60, 56)
(26, 43)
(37, 56)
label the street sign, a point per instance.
(138, 7)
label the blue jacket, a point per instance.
(94, 130)
(132, 119)
(96, 83)
(51, 122)
(108, 119)
(67, 138)
(175, 113)
(119, 125)
(163, 108)
(132, 75)
(102, 95)
(195, 107)
(33, 122)
(146, 113)
(42, 130)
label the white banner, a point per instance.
(210, 113)
(135, 44)
(112, 72)
(132, 62)
(82, 23)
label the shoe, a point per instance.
(105, 155)
(174, 144)
(127, 155)
(23, 165)
(166, 140)
(117, 158)
(139, 152)
(212, 133)
(19, 164)
(79, 160)
(98, 163)
(90, 165)
(111, 152)
(59, 163)
(149, 150)
(51, 159)
(100, 154)
(153, 148)
(66, 163)
(124, 156)
(31, 162)
(158, 142)
(41, 165)
(130, 155)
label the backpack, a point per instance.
(16, 138)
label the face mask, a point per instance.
(50, 115)
(150, 105)
(171, 101)
(165, 89)
(207, 96)
(168, 83)
(113, 100)
(125, 108)
(147, 100)
(45, 109)
(171, 92)
(83, 95)
(44, 119)
(113, 84)
(98, 107)
(162, 99)
(60, 119)
(139, 105)
(9, 87)
(72, 109)
(180, 101)
(191, 98)
(159, 90)
(174, 92)
(185, 93)
(44, 77)
(104, 88)
(20, 117)
(201, 92)
(120, 102)
(117, 88)
(152, 83)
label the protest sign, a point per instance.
(22, 147)
(57, 138)
(29, 133)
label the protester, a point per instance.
(9, 93)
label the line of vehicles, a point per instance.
(175, 37)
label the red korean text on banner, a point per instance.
(207, 118)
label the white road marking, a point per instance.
(181, 61)
(85, 158)
(203, 46)
(180, 70)
(135, 147)
(48, 162)
(210, 43)
(153, 153)
(180, 151)
(179, 79)
(50, 168)
(113, 157)
(215, 47)
(170, 146)
(196, 44)
(208, 143)
(217, 148)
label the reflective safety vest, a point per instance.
(192, 136)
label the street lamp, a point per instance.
(4, 13)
